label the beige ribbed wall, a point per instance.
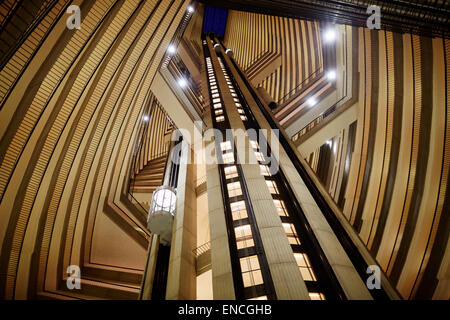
(256, 37)
(395, 189)
(67, 134)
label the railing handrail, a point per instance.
(301, 84)
(202, 249)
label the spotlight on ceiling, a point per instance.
(330, 35)
(190, 9)
(145, 118)
(311, 102)
(171, 49)
(182, 82)
(331, 75)
(216, 45)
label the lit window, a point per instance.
(226, 145)
(240, 111)
(231, 90)
(236, 99)
(213, 87)
(259, 156)
(218, 111)
(233, 94)
(238, 105)
(244, 237)
(272, 186)
(291, 233)
(220, 118)
(234, 189)
(251, 272)
(254, 144)
(243, 118)
(238, 210)
(230, 172)
(217, 100)
(259, 298)
(316, 296)
(264, 170)
(212, 83)
(228, 157)
(305, 267)
(215, 95)
(214, 91)
(217, 105)
(281, 209)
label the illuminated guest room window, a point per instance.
(281, 209)
(291, 233)
(238, 210)
(226, 145)
(230, 172)
(244, 237)
(259, 298)
(220, 118)
(217, 105)
(228, 157)
(305, 267)
(251, 271)
(272, 186)
(316, 296)
(219, 111)
(234, 189)
(264, 170)
(259, 156)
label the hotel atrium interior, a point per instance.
(120, 180)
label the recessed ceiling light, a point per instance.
(171, 49)
(182, 82)
(145, 118)
(331, 75)
(190, 9)
(311, 101)
(330, 35)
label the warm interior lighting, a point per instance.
(330, 35)
(162, 210)
(171, 49)
(145, 118)
(182, 82)
(190, 9)
(331, 75)
(311, 101)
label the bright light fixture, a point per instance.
(331, 75)
(330, 35)
(190, 9)
(182, 82)
(216, 45)
(171, 49)
(145, 118)
(311, 101)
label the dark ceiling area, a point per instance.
(423, 17)
(215, 20)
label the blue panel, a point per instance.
(215, 20)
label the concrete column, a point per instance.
(181, 279)
(149, 272)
